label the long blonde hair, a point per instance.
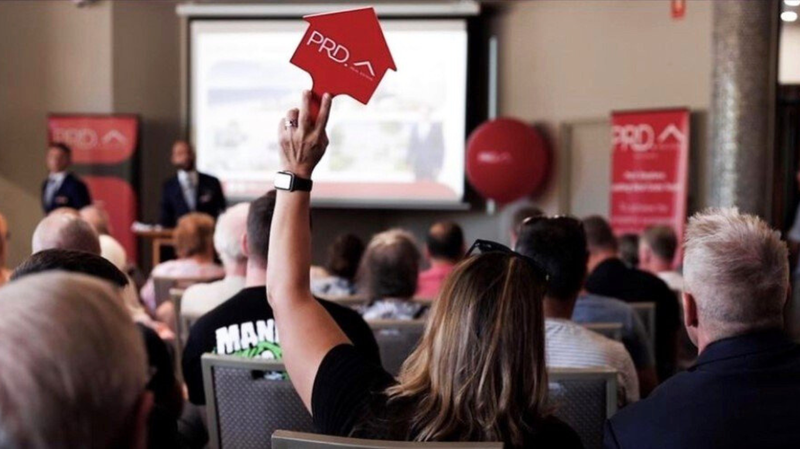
(479, 371)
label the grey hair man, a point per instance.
(229, 241)
(65, 231)
(744, 389)
(110, 248)
(60, 388)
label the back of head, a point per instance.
(599, 235)
(662, 241)
(259, 223)
(521, 215)
(194, 234)
(479, 371)
(390, 266)
(737, 269)
(65, 231)
(231, 227)
(445, 241)
(74, 364)
(72, 262)
(629, 249)
(344, 255)
(98, 218)
(559, 246)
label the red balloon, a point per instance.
(507, 160)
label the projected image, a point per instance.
(405, 147)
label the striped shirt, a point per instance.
(569, 345)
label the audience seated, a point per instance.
(65, 230)
(110, 248)
(519, 217)
(5, 273)
(388, 277)
(444, 248)
(244, 325)
(479, 371)
(162, 381)
(338, 277)
(229, 240)
(744, 390)
(657, 250)
(559, 246)
(609, 276)
(74, 366)
(195, 250)
(629, 250)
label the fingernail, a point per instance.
(327, 96)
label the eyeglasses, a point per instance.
(487, 246)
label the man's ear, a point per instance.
(141, 418)
(245, 251)
(690, 317)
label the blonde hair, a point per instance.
(479, 372)
(737, 269)
(194, 235)
(74, 364)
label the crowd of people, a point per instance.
(88, 352)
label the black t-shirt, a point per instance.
(348, 400)
(245, 326)
(612, 278)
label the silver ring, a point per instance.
(290, 123)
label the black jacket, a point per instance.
(744, 392)
(72, 193)
(209, 200)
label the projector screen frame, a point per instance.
(476, 93)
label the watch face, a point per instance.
(283, 181)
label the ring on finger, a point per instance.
(289, 123)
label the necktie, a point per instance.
(50, 191)
(190, 193)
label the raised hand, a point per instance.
(304, 141)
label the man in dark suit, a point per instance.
(744, 390)
(189, 190)
(609, 276)
(62, 188)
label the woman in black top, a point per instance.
(479, 371)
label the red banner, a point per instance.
(104, 156)
(649, 169)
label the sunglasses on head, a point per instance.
(561, 220)
(487, 246)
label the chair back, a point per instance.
(647, 313)
(396, 340)
(584, 398)
(347, 301)
(608, 330)
(247, 400)
(162, 285)
(295, 440)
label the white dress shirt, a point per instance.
(188, 181)
(54, 181)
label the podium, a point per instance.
(158, 240)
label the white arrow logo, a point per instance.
(673, 131)
(365, 63)
(114, 136)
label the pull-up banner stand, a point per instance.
(104, 155)
(649, 169)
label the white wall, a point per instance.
(789, 57)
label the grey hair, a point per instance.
(231, 227)
(737, 269)
(74, 364)
(65, 231)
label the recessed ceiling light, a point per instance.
(792, 2)
(789, 16)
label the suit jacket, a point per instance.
(743, 392)
(72, 193)
(613, 279)
(209, 199)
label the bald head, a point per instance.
(65, 231)
(229, 234)
(445, 241)
(98, 218)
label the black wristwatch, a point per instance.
(290, 182)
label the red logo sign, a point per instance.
(649, 171)
(345, 53)
(96, 139)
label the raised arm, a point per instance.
(307, 332)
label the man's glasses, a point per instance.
(487, 246)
